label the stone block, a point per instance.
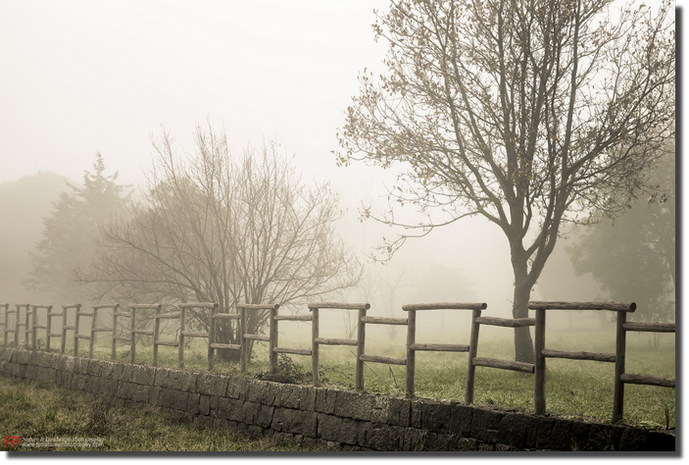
(108, 370)
(512, 430)
(579, 435)
(172, 398)
(325, 400)
(485, 424)
(204, 404)
(211, 385)
(378, 437)
(24, 357)
(294, 421)
(108, 388)
(138, 392)
(460, 419)
(380, 411)
(467, 444)
(262, 392)
(237, 387)
(82, 382)
(264, 416)
(144, 375)
(193, 403)
(250, 412)
(229, 409)
(604, 437)
(349, 434)
(288, 396)
(560, 435)
(307, 399)
(329, 427)
(81, 365)
(95, 367)
(353, 405)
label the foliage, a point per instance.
(213, 227)
(529, 113)
(70, 231)
(633, 258)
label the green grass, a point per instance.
(576, 389)
(54, 415)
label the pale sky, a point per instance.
(79, 77)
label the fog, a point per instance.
(80, 77)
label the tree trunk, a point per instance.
(523, 344)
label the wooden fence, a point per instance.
(28, 320)
(618, 358)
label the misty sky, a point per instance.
(80, 77)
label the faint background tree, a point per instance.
(529, 113)
(213, 227)
(70, 232)
(635, 253)
(25, 203)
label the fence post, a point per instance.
(16, 326)
(49, 329)
(132, 336)
(92, 340)
(7, 315)
(273, 342)
(180, 351)
(360, 342)
(411, 353)
(314, 346)
(620, 350)
(242, 341)
(76, 330)
(539, 375)
(113, 352)
(156, 330)
(28, 315)
(211, 339)
(473, 349)
(33, 326)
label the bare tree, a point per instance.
(526, 112)
(211, 227)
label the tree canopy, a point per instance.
(212, 226)
(529, 113)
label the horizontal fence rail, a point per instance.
(413, 346)
(26, 316)
(476, 321)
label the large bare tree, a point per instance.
(529, 113)
(214, 227)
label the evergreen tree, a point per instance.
(633, 258)
(70, 231)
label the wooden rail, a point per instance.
(244, 336)
(618, 358)
(35, 326)
(316, 340)
(28, 319)
(622, 378)
(276, 349)
(476, 321)
(134, 331)
(413, 346)
(65, 327)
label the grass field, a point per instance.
(62, 420)
(575, 389)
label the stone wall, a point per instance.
(342, 420)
